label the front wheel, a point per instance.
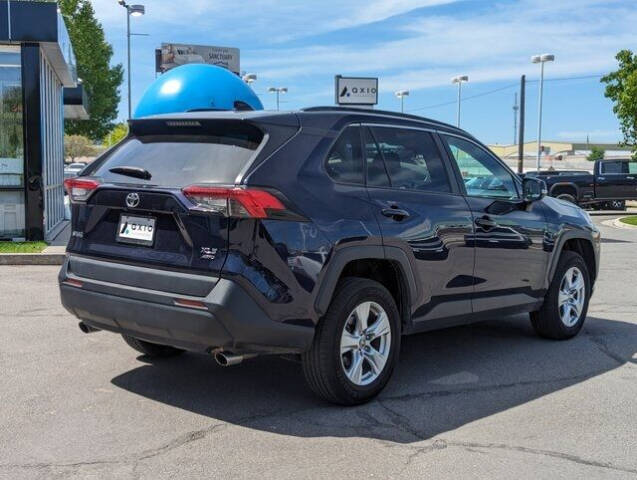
(355, 345)
(565, 305)
(568, 197)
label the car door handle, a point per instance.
(486, 222)
(395, 213)
(630, 178)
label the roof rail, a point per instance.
(335, 108)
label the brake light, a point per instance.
(79, 189)
(233, 201)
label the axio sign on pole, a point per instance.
(176, 54)
(356, 90)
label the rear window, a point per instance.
(176, 160)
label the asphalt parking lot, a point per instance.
(490, 400)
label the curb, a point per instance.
(619, 224)
(616, 223)
(49, 256)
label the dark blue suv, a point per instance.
(326, 232)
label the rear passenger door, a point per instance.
(616, 179)
(420, 211)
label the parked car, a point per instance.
(608, 187)
(73, 169)
(326, 232)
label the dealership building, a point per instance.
(37, 77)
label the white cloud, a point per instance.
(269, 20)
(495, 45)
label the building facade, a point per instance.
(36, 64)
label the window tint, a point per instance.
(610, 168)
(376, 173)
(412, 159)
(177, 160)
(345, 160)
(483, 175)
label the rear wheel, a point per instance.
(617, 204)
(152, 350)
(356, 344)
(566, 303)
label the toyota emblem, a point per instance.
(132, 200)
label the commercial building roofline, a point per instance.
(40, 22)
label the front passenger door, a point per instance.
(510, 260)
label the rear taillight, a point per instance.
(79, 189)
(233, 201)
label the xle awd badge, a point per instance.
(132, 200)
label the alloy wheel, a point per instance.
(572, 296)
(365, 343)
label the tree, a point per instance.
(100, 80)
(597, 153)
(621, 88)
(77, 146)
(116, 135)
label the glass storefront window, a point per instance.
(11, 144)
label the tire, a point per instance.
(617, 205)
(568, 197)
(331, 374)
(551, 320)
(151, 350)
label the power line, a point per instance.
(506, 87)
(466, 98)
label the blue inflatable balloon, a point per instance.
(196, 87)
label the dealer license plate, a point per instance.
(137, 230)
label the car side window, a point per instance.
(614, 168)
(482, 174)
(376, 173)
(632, 167)
(412, 159)
(345, 160)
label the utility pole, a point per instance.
(515, 117)
(521, 131)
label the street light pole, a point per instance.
(128, 60)
(459, 79)
(402, 94)
(277, 90)
(136, 11)
(541, 59)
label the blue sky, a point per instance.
(409, 44)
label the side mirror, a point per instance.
(533, 189)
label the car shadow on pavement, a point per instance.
(444, 379)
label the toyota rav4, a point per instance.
(326, 233)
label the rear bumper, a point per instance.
(231, 319)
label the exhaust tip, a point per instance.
(87, 328)
(227, 359)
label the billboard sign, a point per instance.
(356, 90)
(176, 54)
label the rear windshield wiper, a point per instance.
(136, 172)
